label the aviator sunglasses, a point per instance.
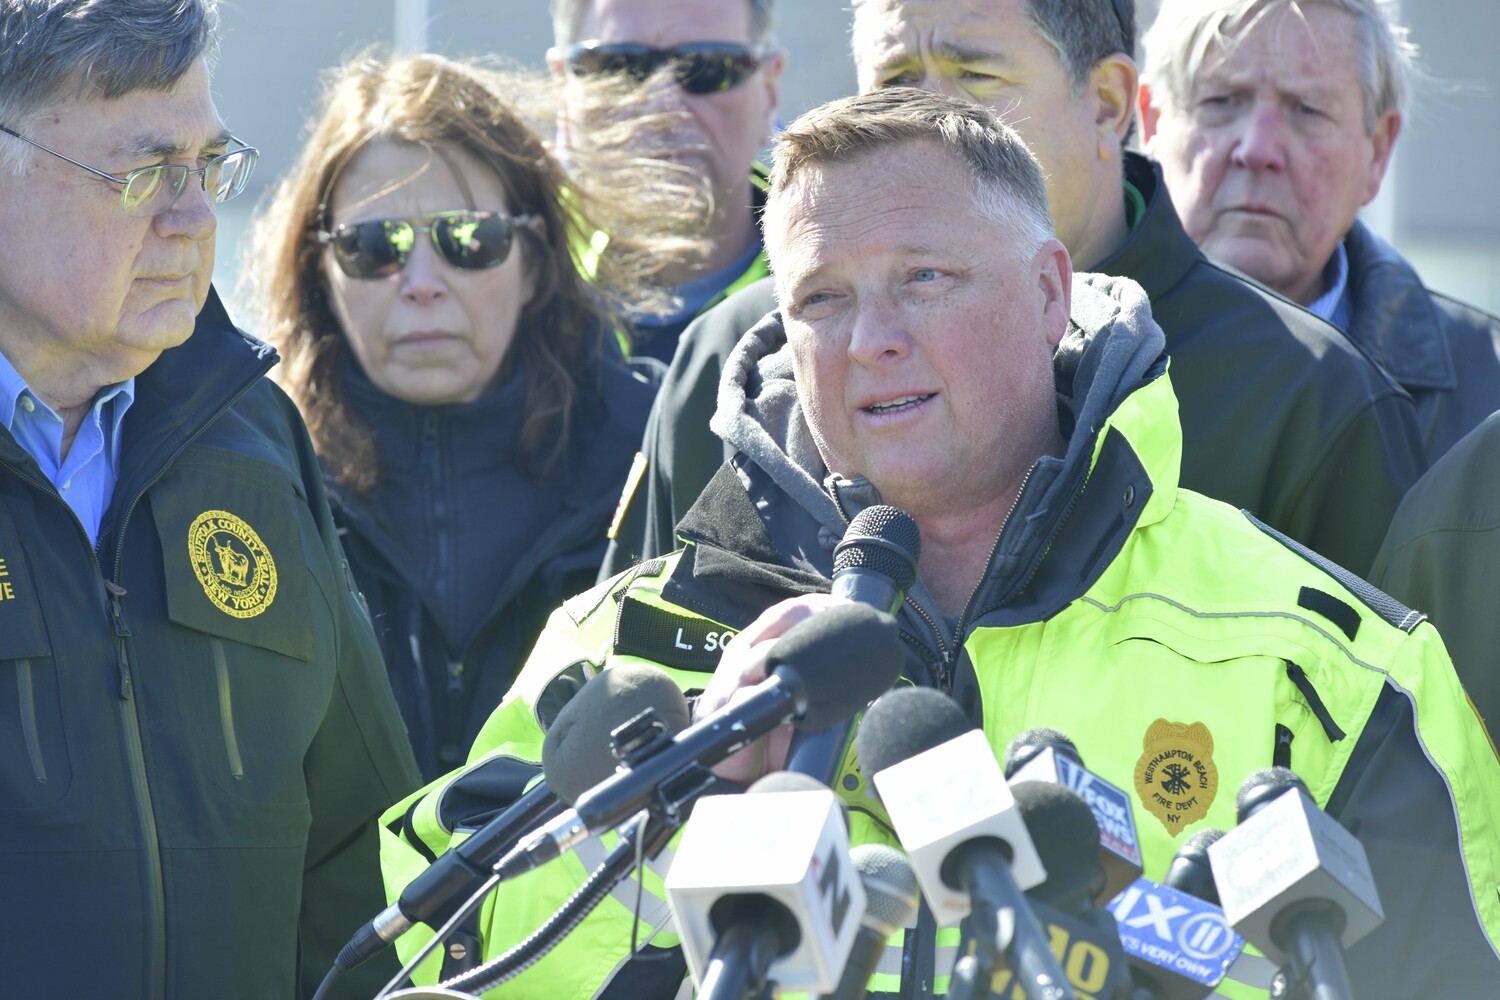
(469, 240)
(698, 67)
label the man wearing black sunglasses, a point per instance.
(712, 62)
(1282, 415)
(196, 730)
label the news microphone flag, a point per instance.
(1119, 847)
(1183, 944)
(789, 847)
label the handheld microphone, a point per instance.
(1048, 755)
(1295, 883)
(609, 699)
(762, 888)
(602, 725)
(1191, 871)
(874, 564)
(824, 668)
(1179, 944)
(957, 818)
(891, 898)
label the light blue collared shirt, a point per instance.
(86, 478)
(1335, 305)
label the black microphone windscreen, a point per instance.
(1034, 741)
(1190, 870)
(1263, 786)
(891, 893)
(904, 723)
(1066, 835)
(577, 753)
(847, 655)
(883, 539)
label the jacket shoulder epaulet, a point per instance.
(1335, 609)
(580, 606)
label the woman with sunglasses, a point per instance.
(474, 421)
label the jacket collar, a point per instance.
(1394, 318)
(1158, 253)
(188, 386)
(181, 393)
(600, 434)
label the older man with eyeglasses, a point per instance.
(711, 64)
(195, 727)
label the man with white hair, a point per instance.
(1274, 122)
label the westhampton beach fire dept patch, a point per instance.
(1175, 776)
(232, 563)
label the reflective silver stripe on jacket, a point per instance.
(654, 913)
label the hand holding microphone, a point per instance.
(874, 564)
(823, 670)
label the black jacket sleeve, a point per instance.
(681, 453)
(1397, 804)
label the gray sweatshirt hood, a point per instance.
(1110, 347)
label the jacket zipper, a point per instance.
(156, 916)
(950, 665)
(226, 709)
(1304, 684)
(29, 731)
(140, 784)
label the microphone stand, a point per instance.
(1315, 969)
(993, 934)
(738, 965)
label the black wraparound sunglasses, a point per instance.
(469, 240)
(698, 67)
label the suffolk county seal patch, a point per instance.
(1175, 776)
(232, 563)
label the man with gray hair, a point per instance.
(940, 355)
(1282, 415)
(196, 730)
(712, 65)
(1274, 122)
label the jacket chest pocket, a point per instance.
(257, 632)
(35, 769)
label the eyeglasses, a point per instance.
(698, 67)
(150, 191)
(470, 241)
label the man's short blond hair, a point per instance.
(1006, 182)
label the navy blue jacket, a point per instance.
(445, 692)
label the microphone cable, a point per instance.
(648, 840)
